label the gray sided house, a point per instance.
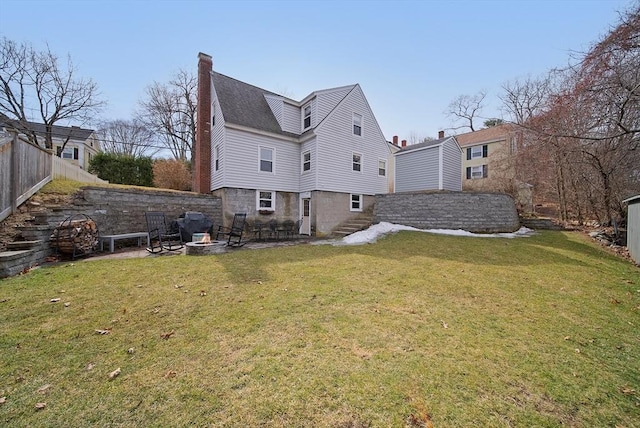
(320, 159)
(633, 227)
(432, 165)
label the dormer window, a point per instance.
(306, 121)
(357, 124)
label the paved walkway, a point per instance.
(136, 252)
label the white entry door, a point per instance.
(305, 227)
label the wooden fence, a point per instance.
(24, 169)
(66, 170)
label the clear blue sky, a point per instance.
(412, 58)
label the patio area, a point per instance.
(137, 252)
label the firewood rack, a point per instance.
(76, 235)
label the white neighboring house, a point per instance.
(432, 165)
(320, 159)
(81, 144)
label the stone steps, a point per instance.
(24, 245)
(540, 224)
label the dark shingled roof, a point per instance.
(423, 145)
(244, 104)
(57, 131)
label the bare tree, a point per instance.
(522, 99)
(415, 138)
(169, 110)
(465, 109)
(581, 126)
(35, 81)
(127, 137)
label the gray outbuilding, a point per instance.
(633, 227)
(432, 165)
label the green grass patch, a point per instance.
(414, 330)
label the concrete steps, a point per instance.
(363, 221)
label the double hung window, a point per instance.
(306, 121)
(265, 200)
(356, 203)
(357, 124)
(266, 159)
(306, 161)
(356, 164)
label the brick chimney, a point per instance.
(440, 134)
(202, 154)
(404, 143)
(395, 140)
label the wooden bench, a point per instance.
(113, 238)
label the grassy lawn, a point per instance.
(417, 330)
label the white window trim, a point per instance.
(310, 116)
(273, 200)
(67, 151)
(385, 167)
(476, 168)
(216, 158)
(359, 209)
(475, 155)
(353, 124)
(273, 160)
(302, 162)
(361, 162)
(70, 151)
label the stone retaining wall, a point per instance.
(471, 211)
(118, 211)
(115, 211)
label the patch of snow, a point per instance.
(371, 234)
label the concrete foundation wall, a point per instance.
(330, 209)
(244, 201)
(474, 212)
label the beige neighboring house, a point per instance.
(488, 163)
(81, 144)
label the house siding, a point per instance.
(292, 118)
(452, 165)
(466, 163)
(308, 179)
(633, 228)
(276, 104)
(241, 151)
(336, 145)
(418, 170)
(217, 138)
(327, 101)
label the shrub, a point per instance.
(172, 174)
(123, 169)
